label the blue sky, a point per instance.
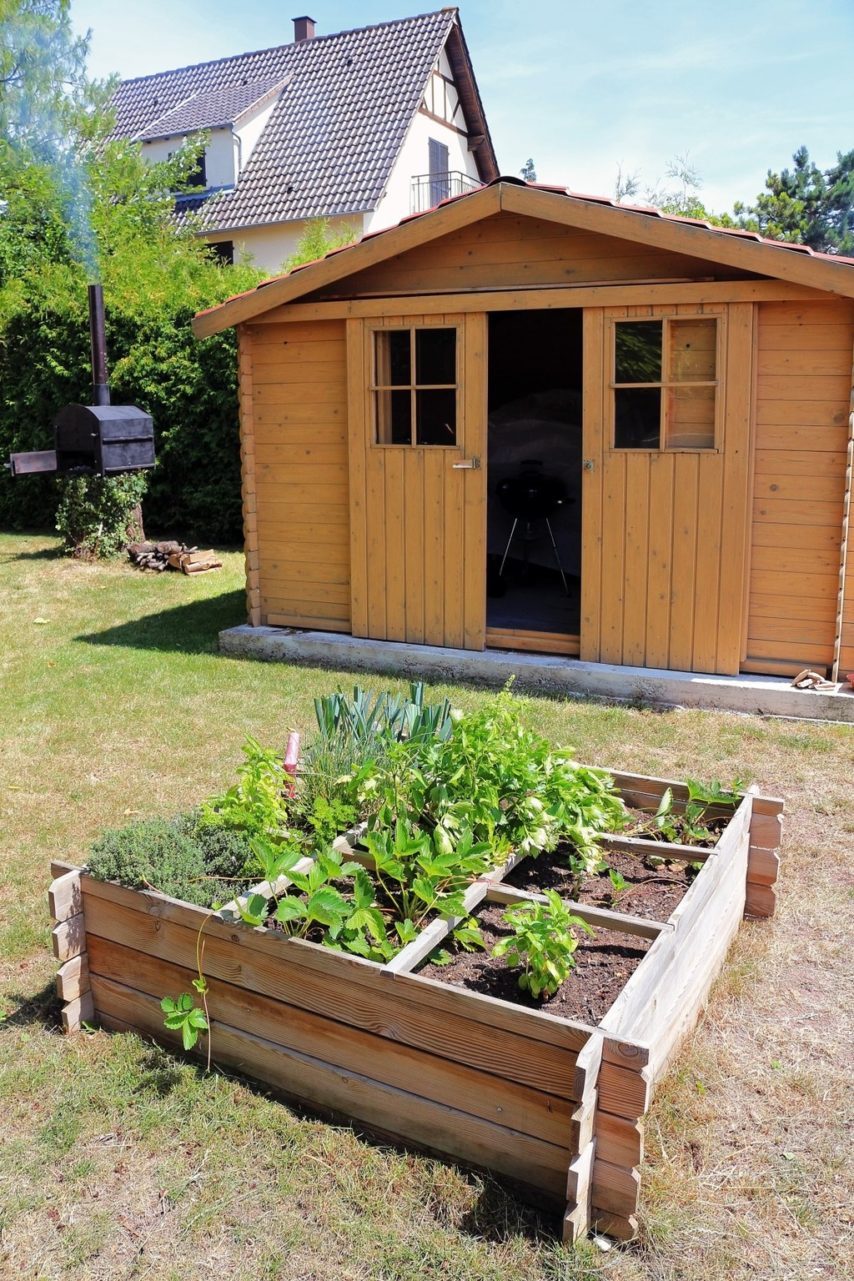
(580, 87)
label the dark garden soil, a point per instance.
(653, 891)
(603, 964)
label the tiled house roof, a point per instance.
(336, 130)
(212, 109)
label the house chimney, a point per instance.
(303, 29)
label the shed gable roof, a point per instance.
(336, 130)
(741, 249)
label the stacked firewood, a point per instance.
(172, 555)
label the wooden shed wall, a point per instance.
(803, 389)
(294, 420)
(507, 251)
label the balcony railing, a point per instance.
(428, 189)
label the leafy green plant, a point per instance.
(99, 515)
(183, 1013)
(543, 943)
(419, 876)
(185, 1016)
(619, 884)
(257, 803)
(350, 921)
(495, 779)
(329, 817)
(689, 826)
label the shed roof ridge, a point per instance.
(513, 182)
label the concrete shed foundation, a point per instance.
(760, 695)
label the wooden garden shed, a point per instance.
(662, 407)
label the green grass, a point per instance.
(119, 1160)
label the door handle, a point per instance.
(468, 464)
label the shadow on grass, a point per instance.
(39, 1010)
(498, 1213)
(187, 629)
(44, 553)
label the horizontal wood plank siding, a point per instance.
(803, 391)
(507, 251)
(349, 1036)
(300, 478)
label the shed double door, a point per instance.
(418, 509)
(665, 529)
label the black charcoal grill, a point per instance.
(532, 496)
(94, 440)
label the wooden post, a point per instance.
(69, 947)
(247, 465)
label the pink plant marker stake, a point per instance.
(292, 759)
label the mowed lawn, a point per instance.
(118, 1160)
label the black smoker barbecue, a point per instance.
(94, 440)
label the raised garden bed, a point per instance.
(554, 1103)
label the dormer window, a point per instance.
(199, 176)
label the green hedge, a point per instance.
(189, 388)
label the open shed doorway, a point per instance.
(534, 480)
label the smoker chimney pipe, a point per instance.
(100, 386)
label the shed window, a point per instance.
(415, 386)
(665, 383)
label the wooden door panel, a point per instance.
(665, 533)
(418, 525)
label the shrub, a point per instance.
(173, 856)
(98, 515)
(226, 853)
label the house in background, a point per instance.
(363, 128)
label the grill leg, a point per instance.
(507, 548)
(557, 557)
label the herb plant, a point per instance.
(543, 943)
(173, 856)
(257, 803)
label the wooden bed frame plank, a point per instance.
(436, 1126)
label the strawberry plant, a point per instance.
(690, 825)
(418, 874)
(184, 1015)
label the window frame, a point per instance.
(374, 386)
(666, 383)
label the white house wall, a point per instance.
(413, 162)
(219, 155)
(249, 129)
(268, 247)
